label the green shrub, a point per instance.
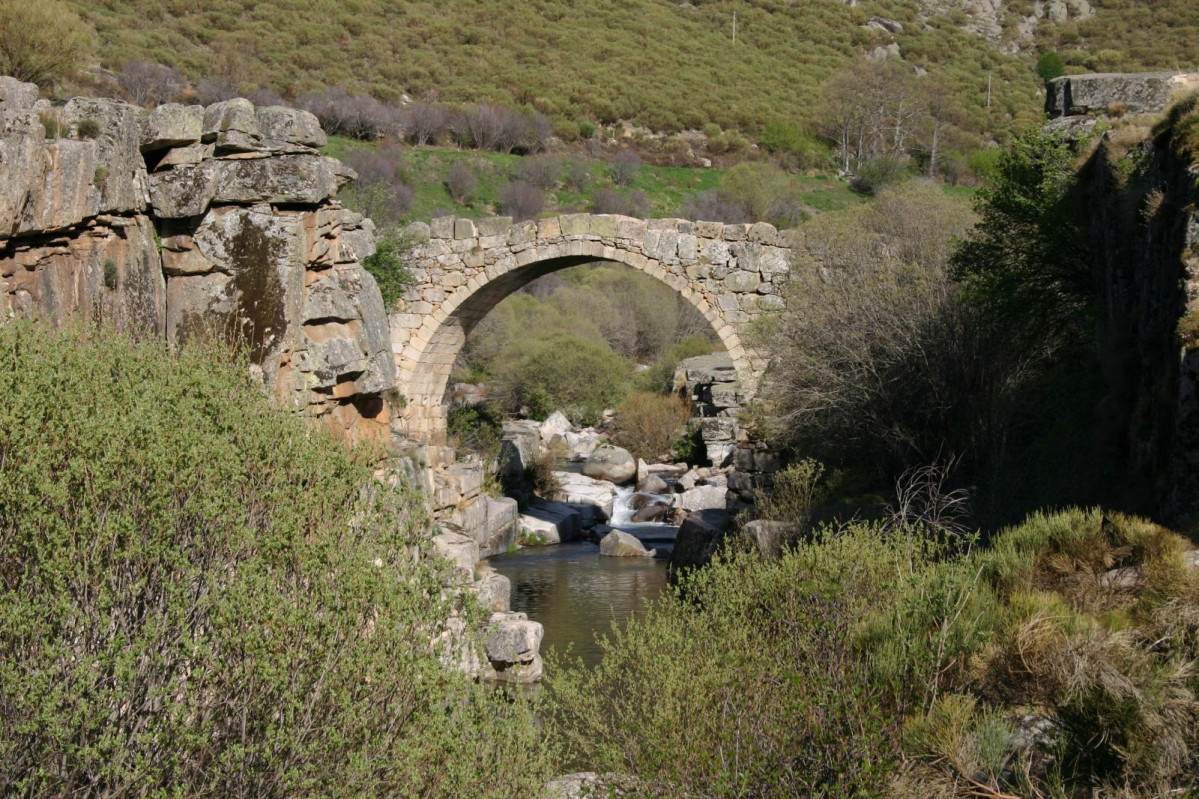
(386, 265)
(753, 675)
(877, 661)
(1050, 66)
(795, 492)
(43, 41)
(579, 376)
(878, 173)
(88, 129)
(110, 274)
(474, 428)
(200, 595)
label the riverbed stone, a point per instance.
(584, 490)
(619, 544)
(612, 463)
(700, 536)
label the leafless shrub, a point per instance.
(577, 177)
(379, 192)
(345, 114)
(624, 167)
(215, 90)
(487, 125)
(263, 97)
(461, 183)
(521, 200)
(146, 83)
(541, 171)
(709, 206)
(924, 501)
(425, 123)
(611, 201)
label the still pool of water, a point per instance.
(576, 593)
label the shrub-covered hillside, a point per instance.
(665, 65)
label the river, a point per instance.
(577, 594)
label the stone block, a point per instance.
(465, 229)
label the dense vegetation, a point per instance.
(890, 660)
(200, 595)
(664, 65)
(573, 340)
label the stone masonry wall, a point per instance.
(732, 274)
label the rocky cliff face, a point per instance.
(188, 223)
(1142, 229)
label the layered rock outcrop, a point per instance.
(187, 223)
(1096, 93)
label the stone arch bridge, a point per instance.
(732, 274)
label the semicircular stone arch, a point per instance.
(732, 274)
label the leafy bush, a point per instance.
(753, 675)
(43, 41)
(647, 424)
(87, 129)
(795, 492)
(878, 173)
(474, 428)
(205, 596)
(1050, 66)
(387, 267)
(882, 662)
(580, 376)
(765, 192)
(110, 274)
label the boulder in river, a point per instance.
(699, 537)
(611, 463)
(652, 484)
(584, 490)
(619, 544)
(655, 512)
(703, 498)
(551, 522)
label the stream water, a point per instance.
(577, 594)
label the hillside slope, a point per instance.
(659, 63)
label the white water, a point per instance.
(622, 506)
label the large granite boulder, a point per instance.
(512, 649)
(545, 522)
(619, 544)
(700, 537)
(301, 179)
(16, 95)
(612, 463)
(584, 490)
(1137, 92)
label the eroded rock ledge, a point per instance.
(188, 222)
